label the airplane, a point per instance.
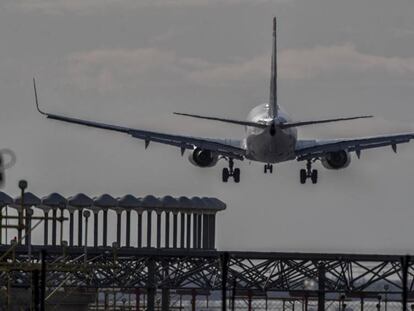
(270, 138)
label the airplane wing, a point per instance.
(226, 147)
(311, 149)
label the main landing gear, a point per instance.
(308, 173)
(268, 167)
(231, 172)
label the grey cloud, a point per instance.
(107, 70)
(87, 6)
(297, 64)
(111, 69)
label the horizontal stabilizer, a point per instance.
(297, 124)
(245, 123)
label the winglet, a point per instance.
(36, 99)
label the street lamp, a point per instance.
(379, 302)
(23, 187)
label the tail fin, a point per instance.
(273, 76)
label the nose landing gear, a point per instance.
(268, 167)
(308, 173)
(231, 172)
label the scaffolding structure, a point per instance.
(135, 271)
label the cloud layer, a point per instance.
(84, 6)
(116, 68)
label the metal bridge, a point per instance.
(180, 261)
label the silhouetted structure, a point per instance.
(180, 260)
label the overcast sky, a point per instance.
(135, 62)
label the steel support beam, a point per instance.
(158, 229)
(95, 228)
(195, 230)
(199, 230)
(149, 228)
(118, 227)
(128, 228)
(54, 226)
(151, 289)
(46, 229)
(405, 262)
(224, 273)
(205, 231)
(139, 237)
(167, 230)
(165, 299)
(105, 227)
(188, 245)
(80, 225)
(182, 233)
(321, 286)
(175, 230)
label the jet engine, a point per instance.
(336, 160)
(203, 158)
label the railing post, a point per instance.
(128, 228)
(182, 233)
(95, 227)
(71, 220)
(105, 227)
(167, 230)
(188, 244)
(54, 225)
(158, 212)
(46, 226)
(175, 229)
(139, 233)
(118, 226)
(149, 227)
(80, 226)
(195, 230)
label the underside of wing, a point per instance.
(311, 149)
(226, 147)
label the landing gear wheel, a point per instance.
(303, 176)
(314, 177)
(225, 175)
(308, 173)
(268, 167)
(236, 175)
(231, 172)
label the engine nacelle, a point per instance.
(336, 160)
(203, 158)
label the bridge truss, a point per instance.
(319, 277)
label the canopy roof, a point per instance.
(129, 201)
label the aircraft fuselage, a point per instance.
(261, 145)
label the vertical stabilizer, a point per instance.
(273, 77)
